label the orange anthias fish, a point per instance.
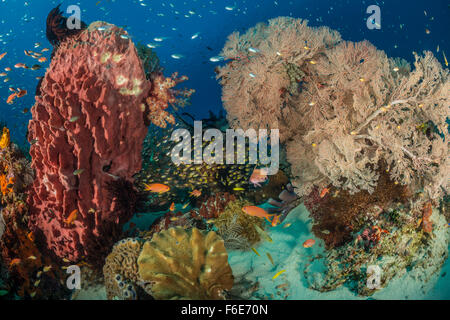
(21, 93)
(72, 217)
(309, 243)
(3, 55)
(14, 262)
(172, 206)
(156, 188)
(20, 65)
(324, 192)
(257, 212)
(11, 98)
(275, 220)
(43, 59)
(30, 236)
(258, 176)
(196, 193)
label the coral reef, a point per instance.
(366, 137)
(89, 121)
(215, 205)
(288, 201)
(185, 264)
(238, 228)
(182, 179)
(338, 213)
(352, 109)
(175, 219)
(31, 273)
(269, 190)
(403, 247)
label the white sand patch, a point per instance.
(289, 254)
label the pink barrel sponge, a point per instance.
(86, 132)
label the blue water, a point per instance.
(22, 24)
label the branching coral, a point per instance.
(238, 228)
(185, 264)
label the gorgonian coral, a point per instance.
(353, 107)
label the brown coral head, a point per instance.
(186, 264)
(57, 29)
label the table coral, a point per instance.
(186, 264)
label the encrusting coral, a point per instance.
(175, 264)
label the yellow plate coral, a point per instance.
(186, 264)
